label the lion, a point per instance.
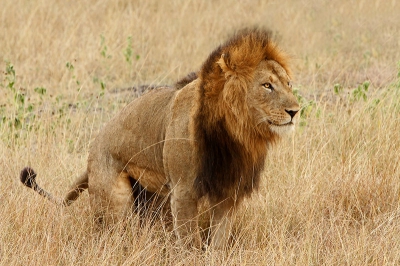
(206, 137)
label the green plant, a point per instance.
(104, 48)
(41, 91)
(102, 85)
(128, 53)
(71, 68)
(360, 92)
(306, 107)
(16, 119)
(337, 89)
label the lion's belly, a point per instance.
(150, 180)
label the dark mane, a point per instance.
(226, 169)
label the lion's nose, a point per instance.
(292, 113)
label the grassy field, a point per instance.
(330, 194)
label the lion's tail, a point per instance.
(28, 178)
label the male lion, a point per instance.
(207, 137)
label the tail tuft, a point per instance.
(28, 177)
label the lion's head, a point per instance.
(246, 104)
(273, 107)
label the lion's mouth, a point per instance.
(281, 125)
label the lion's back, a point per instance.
(136, 134)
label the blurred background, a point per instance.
(123, 43)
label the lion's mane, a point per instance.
(231, 152)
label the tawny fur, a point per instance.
(205, 138)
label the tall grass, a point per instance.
(330, 194)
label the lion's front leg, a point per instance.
(184, 212)
(221, 223)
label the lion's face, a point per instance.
(271, 99)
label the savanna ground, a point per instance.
(330, 194)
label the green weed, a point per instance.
(71, 68)
(306, 107)
(104, 50)
(102, 84)
(13, 119)
(337, 89)
(360, 92)
(128, 52)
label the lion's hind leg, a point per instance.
(110, 196)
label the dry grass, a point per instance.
(330, 194)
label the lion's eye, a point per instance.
(289, 84)
(268, 86)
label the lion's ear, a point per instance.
(223, 65)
